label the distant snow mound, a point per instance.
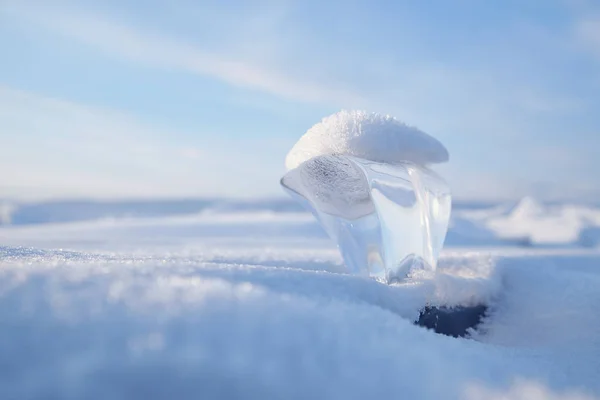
(528, 207)
(371, 136)
(6, 211)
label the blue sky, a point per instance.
(204, 98)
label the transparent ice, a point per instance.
(387, 219)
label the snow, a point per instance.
(525, 223)
(256, 304)
(532, 222)
(369, 136)
(6, 211)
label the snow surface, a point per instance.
(256, 304)
(527, 223)
(367, 135)
(535, 224)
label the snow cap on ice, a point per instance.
(371, 136)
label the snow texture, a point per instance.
(333, 184)
(367, 135)
(255, 305)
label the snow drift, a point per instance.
(194, 323)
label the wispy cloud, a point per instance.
(53, 147)
(506, 93)
(162, 50)
(587, 30)
(316, 72)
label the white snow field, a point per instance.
(254, 303)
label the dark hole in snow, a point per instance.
(451, 321)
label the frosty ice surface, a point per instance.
(387, 218)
